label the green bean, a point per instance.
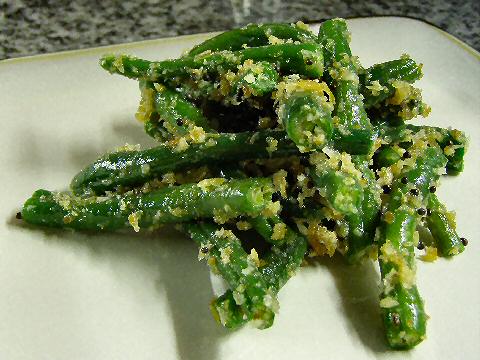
(133, 168)
(453, 142)
(442, 227)
(352, 132)
(175, 115)
(402, 307)
(209, 198)
(256, 79)
(281, 263)
(306, 114)
(338, 182)
(362, 225)
(406, 104)
(303, 59)
(226, 256)
(377, 82)
(254, 35)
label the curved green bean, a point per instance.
(253, 35)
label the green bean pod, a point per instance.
(209, 198)
(453, 142)
(134, 168)
(406, 104)
(377, 82)
(253, 35)
(337, 182)
(385, 156)
(402, 307)
(175, 115)
(281, 263)
(226, 256)
(305, 113)
(256, 79)
(303, 59)
(442, 227)
(353, 132)
(362, 225)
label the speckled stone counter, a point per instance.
(42, 26)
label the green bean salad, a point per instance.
(276, 146)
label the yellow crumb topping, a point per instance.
(321, 239)
(225, 255)
(280, 182)
(388, 302)
(133, 220)
(279, 231)
(430, 254)
(210, 184)
(243, 225)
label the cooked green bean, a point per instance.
(255, 79)
(210, 198)
(452, 141)
(133, 168)
(442, 226)
(254, 35)
(362, 224)
(402, 307)
(226, 256)
(281, 263)
(379, 81)
(338, 181)
(305, 112)
(386, 156)
(352, 132)
(304, 59)
(175, 115)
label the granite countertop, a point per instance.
(35, 27)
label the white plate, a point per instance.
(74, 296)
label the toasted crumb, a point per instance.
(243, 225)
(279, 231)
(133, 220)
(430, 254)
(388, 302)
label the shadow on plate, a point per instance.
(358, 286)
(166, 260)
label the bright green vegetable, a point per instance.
(385, 156)
(453, 142)
(305, 112)
(210, 198)
(134, 168)
(173, 114)
(257, 79)
(378, 81)
(254, 35)
(338, 181)
(304, 59)
(225, 255)
(442, 227)
(402, 307)
(353, 132)
(281, 263)
(363, 223)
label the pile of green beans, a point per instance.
(275, 146)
